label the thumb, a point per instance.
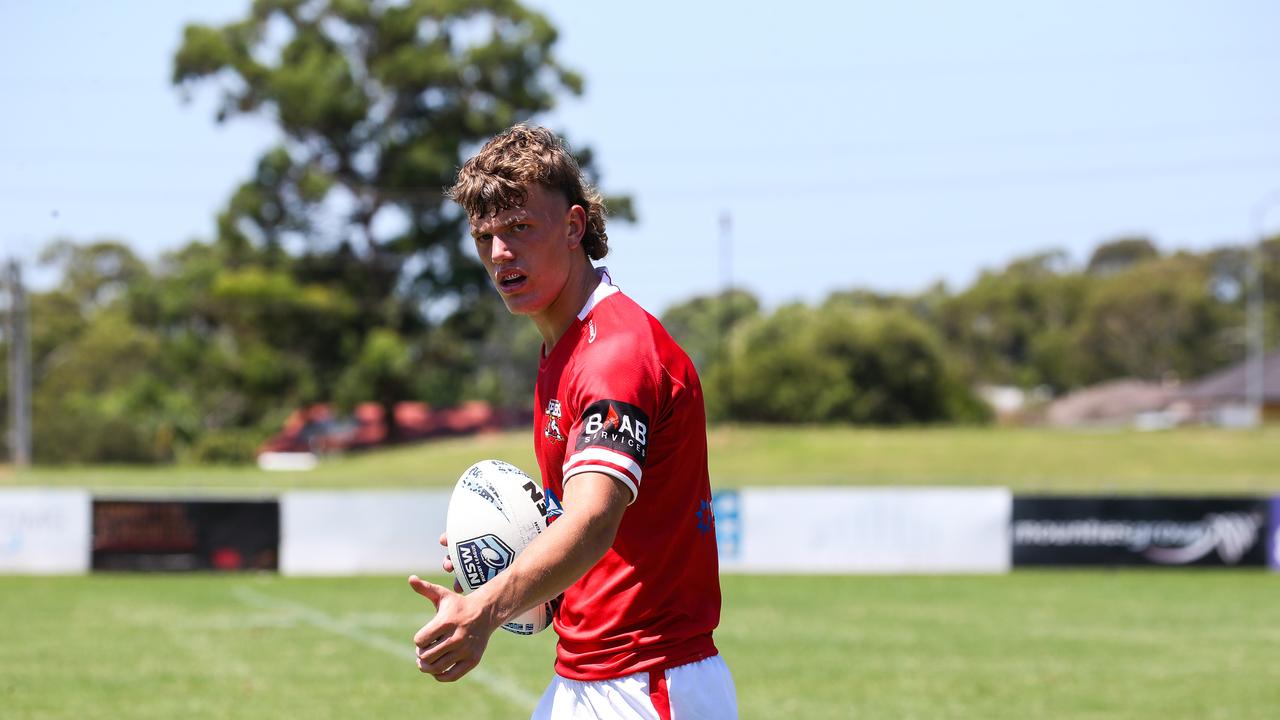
(430, 591)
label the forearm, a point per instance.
(570, 546)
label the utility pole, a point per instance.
(726, 309)
(1255, 319)
(19, 370)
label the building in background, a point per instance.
(1117, 403)
(1222, 398)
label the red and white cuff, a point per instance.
(601, 460)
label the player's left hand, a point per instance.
(452, 643)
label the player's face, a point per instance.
(529, 250)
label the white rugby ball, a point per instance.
(495, 512)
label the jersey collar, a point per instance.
(602, 291)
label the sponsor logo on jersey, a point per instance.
(617, 426)
(552, 429)
(591, 331)
(706, 517)
(483, 558)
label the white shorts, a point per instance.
(701, 690)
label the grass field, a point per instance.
(1197, 461)
(1098, 645)
(1094, 645)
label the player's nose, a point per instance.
(500, 250)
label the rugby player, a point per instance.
(620, 437)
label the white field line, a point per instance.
(498, 684)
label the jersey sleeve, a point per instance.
(612, 432)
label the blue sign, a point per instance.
(726, 506)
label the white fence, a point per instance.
(864, 530)
(799, 530)
(44, 531)
(361, 532)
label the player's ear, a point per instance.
(576, 226)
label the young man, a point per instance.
(620, 438)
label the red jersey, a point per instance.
(616, 395)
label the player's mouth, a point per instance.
(510, 281)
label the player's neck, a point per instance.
(556, 319)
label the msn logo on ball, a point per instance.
(615, 424)
(483, 558)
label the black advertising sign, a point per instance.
(1223, 532)
(176, 535)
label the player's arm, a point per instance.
(453, 642)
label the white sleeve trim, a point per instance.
(605, 470)
(610, 456)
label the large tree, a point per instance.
(377, 103)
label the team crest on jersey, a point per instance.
(483, 558)
(552, 429)
(554, 509)
(615, 425)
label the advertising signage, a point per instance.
(1273, 535)
(1176, 532)
(176, 535)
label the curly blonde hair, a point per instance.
(495, 180)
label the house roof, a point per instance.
(1231, 383)
(1108, 402)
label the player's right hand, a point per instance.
(448, 564)
(452, 642)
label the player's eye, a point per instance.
(484, 237)
(520, 227)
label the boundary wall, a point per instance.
(759, 530)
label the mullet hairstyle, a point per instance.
(495, 180)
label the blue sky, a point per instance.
(880, 145)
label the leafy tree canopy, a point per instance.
(377, 103)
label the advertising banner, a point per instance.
(725, 506)
(1273, 534)
(359, 532)
(1157, 531)
(44, 531)
(871, 530)
(178, 535)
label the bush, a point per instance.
(227, 446)
(842, 364)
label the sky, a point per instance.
(873, 145)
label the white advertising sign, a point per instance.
(361, 532)
(871, 530)
(44, 531)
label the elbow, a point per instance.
(599, 539)
(599, 531)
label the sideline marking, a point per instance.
(499, 685)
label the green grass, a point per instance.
(1131, 645)
(1198, 461)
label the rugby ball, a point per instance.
(495, 511)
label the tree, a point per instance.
(846, 364)
(377, 101)
(1117, 255)
(1008, 325)
(702, 324)
(97, 272)
(1156, 320)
